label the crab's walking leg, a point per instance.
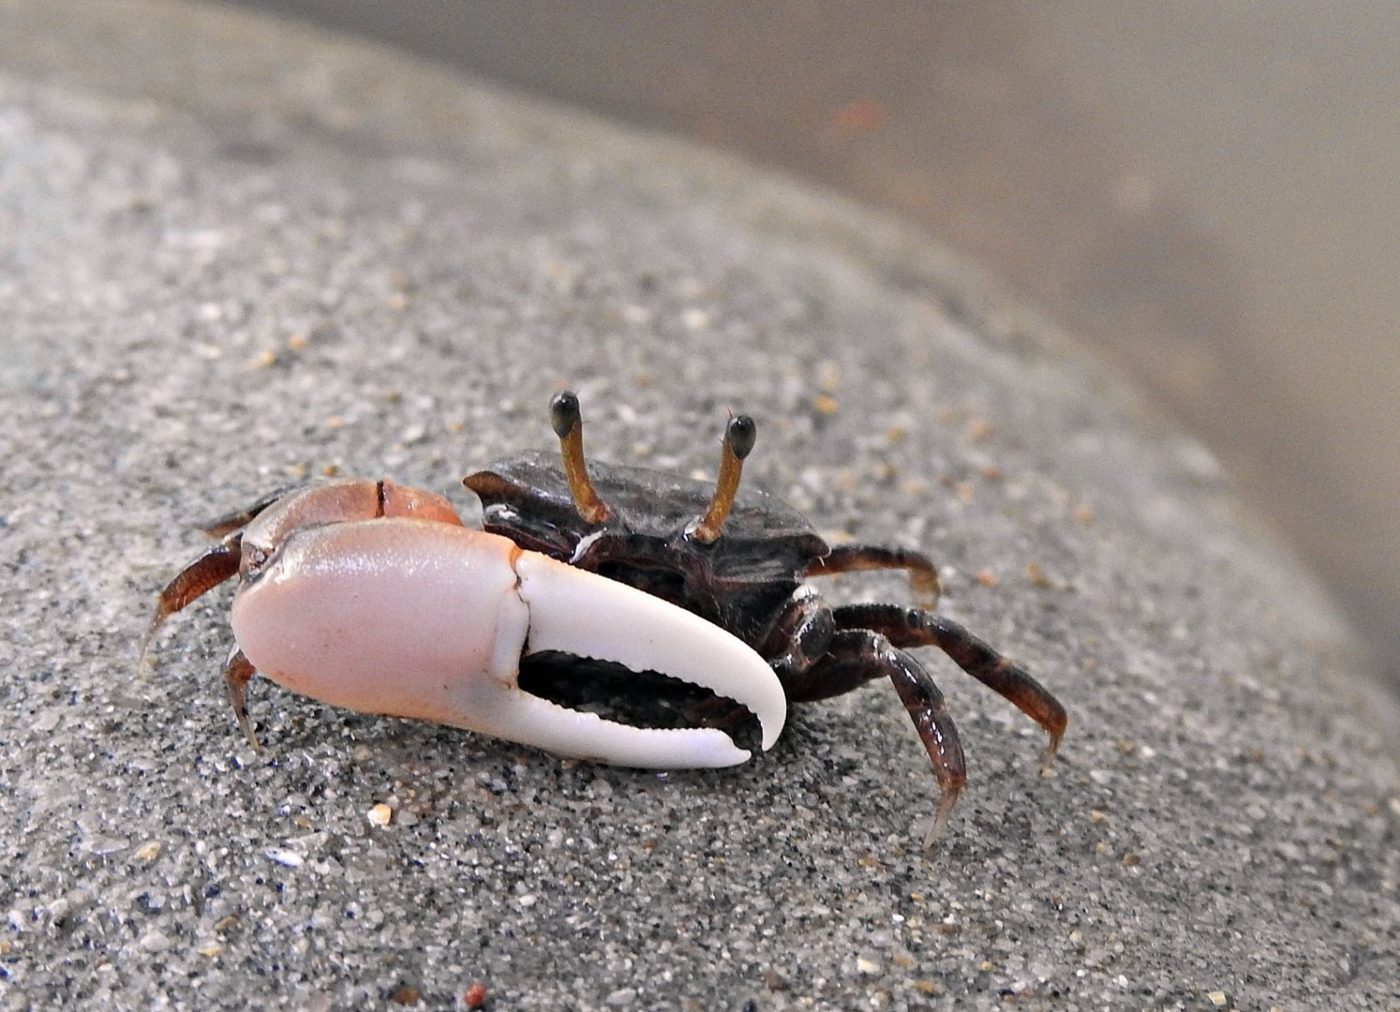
(913, 627)
(202, 575)
(225, 525)
(856, 656)
(237, 671)
(923, 574)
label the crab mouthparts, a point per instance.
(590, 617)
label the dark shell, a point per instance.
(655, 504)
(738, 581)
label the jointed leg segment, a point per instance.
(218, 564)
(913, 627)
(923, 574)
(856, 656)
(237, 672)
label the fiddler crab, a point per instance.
(374, 596)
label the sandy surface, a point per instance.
(236, 255)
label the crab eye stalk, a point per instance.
(739, 436)
(567, 420)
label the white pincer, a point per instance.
(375, 597)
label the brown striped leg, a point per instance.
(912, 627)
(857, 656)
(198, 578)
(225, 525)
(923, 574)
(237, 671)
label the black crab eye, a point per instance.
(741, 432)
(564, 413)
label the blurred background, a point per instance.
(1206, 193)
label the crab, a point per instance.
(374, 596)
(739, 559)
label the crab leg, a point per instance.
(221, 526)
(923, 574)
(857, 656)
(216, 565)
(238, 671)
(913, 627)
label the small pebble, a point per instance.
(380, 815)
(695, 319)
(1037, 576)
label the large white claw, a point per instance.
(424, 619)
(587, 615)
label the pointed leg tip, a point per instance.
(935, 832)
(941, 816)
(146, 655)
(158, 617)
(245, 724)
(927, 590)
(1047, 757)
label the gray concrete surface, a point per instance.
(234, 254)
